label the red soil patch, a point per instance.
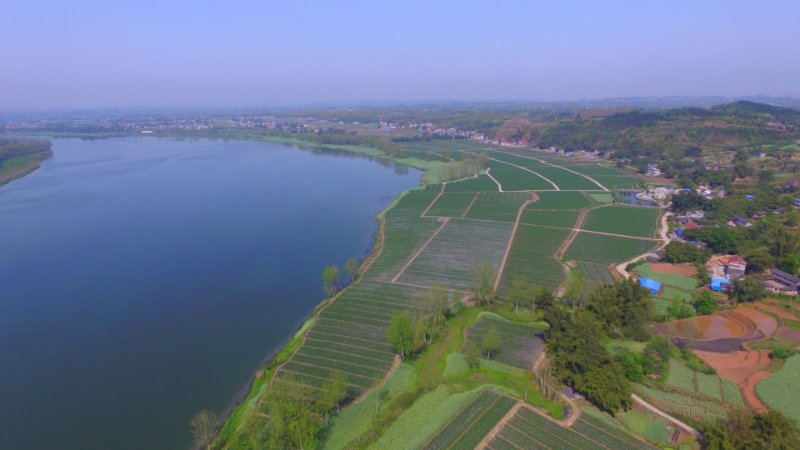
(778, 311)
(788, 333)
(736, 366)
(765, 323)
(749, 391)
(674, 269)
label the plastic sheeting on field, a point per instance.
(719, 284)
(653, 285)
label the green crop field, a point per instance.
(650, 426)
(529, 430)
(618, 181)
(566, 179)
(532, 257)
(481, 183)
(601, 197)
(520, 344)
(404, 232)
(461, 245)
(498, 206)
(561, 219)
(452, 204)
(684, 405)
(683, 282)
(561, 200)
(516, 179)
(712, 386)
(781, 390)
(595, 169)
(594, 275)
(627, 220)
(469, 427)
(731, 393)
(603, 249)
(680, 376)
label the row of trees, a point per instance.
(332, 277)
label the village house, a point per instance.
(731, 267)
(759, 215)
(781, 282)
(739, 221)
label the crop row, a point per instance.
(713, 386)
(561, 200)
(480, 183)
(604, 249)
(404, 233)
(558, 175)
(560, 218)
(601, 433)
(452, 204)
(497, 206)
(628, 220)
(473, 423)
(461, 245)
(516, 179)
(532, 257)
(519, 343)
(782, 389)
(684, 405)
(731, 392)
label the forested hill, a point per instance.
(13, 147)
(665, 133)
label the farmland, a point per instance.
(461, 245)
(526, 429)
(683, 404)
(560, 219)
(532, 257)
(782, 389)
(712, 386)
(561, 200)
(594, 275)
(678, 281)
(452, 204)
(520, 344)
(481, 183)
(469, 427)
(603, 249)
(497, 206)
(516, 179)
(627, 220)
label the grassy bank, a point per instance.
(15, 168)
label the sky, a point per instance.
(116, 54)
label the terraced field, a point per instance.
(605, 250)
(528, 430)
(481, 183)
(559, 218)
(520, 344)
(498, 206)
(461, 245)
(532, 257)
(452, 204)
(682, 404)
(349, 337)
(474, 422)
(627, 220)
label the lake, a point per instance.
(145, 279)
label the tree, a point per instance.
(473, 356)
(330, 279)
(490, 342)
(481, 283)
(705, 304)
(791, 263)
(351, 268)
(520, 293)
(333, 391)
(294, 418)
(748, 289)
(202, 425)
(401, 334)
(383, 397)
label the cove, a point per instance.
(144, 279)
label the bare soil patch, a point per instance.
(777, 311)
(765, 323)
(714, 326)
(736, 366)
(674, 269)
(749, 391)
(788, 333)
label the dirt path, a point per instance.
(511, 241)
(499, 186)
(417, 253)
(748, 389)
(484, 443)
(560, 167)
(470, 205)
(555, 186)
(441, 191)
(664, 415)
(621, 268)
(572, 235)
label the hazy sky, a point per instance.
(69, 54)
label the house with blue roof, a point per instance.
(720, 284)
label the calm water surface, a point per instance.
(144, 279)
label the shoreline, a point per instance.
(27, 168)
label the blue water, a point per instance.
(144, 279)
